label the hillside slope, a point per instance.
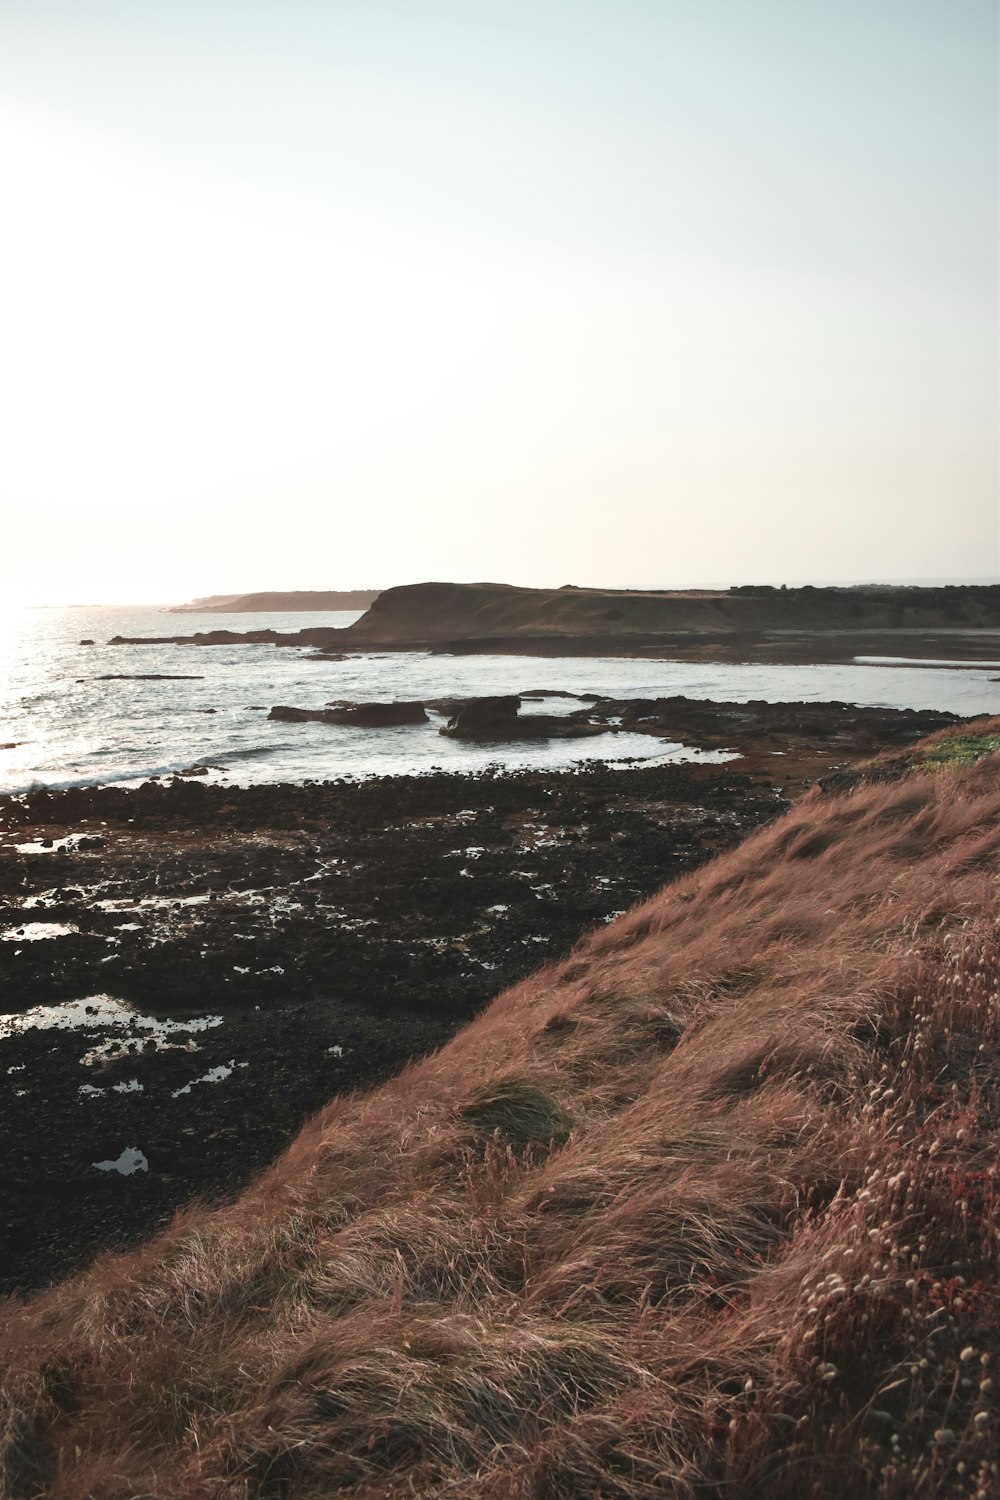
(709, 1209)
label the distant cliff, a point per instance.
(954, 622)
(299, 599)
(467, 615)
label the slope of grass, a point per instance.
(709, 1209)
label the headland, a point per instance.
(295, 599)
(754, 623)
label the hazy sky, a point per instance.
(333, 293)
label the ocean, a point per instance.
(60, 725)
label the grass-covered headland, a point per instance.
(708, 1209)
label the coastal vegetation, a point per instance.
(708, 1208)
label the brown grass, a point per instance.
(708, 1210)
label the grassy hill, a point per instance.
(464, 614)
(708, 1209)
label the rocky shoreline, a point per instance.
(773, 647)
(279, 944)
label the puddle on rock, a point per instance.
(36, 932)
(50, 846)
(133, 1086)
(131, 1160)
(99, 1011)
(214, 1075)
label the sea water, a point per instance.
(61, 726)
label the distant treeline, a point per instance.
(930, 592)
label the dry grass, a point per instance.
(708, 1210)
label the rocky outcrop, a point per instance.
(701, 721)
(204, 638)
(506, 704)
(361, 715)
(495, 720)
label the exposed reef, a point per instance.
(363, 715)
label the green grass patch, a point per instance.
(521, 1113)
(957, 750)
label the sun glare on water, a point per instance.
(11, 627)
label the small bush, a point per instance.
(520, 1113)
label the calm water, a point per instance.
(70, 729)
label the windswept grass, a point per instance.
(708, 1210)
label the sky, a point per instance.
(632, 293)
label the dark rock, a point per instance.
(200, 638)
(722, 725)
(286, 714)
(376, 715)
(486, 727)
(508, 704)
(496, 719)
(150, 677)
(361, 715)
(86, 642)
(538, 693)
